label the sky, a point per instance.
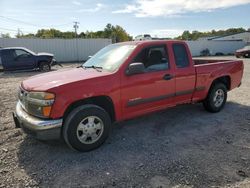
(161, 18)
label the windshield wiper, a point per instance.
(93, 67)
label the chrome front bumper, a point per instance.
(40, 128)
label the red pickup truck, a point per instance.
(120, 82)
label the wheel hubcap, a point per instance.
(46, 67)
(218, 98)
(90, 129)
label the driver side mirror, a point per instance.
(135, 68)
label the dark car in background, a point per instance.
(243, 52)
(18, 58)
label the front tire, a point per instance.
(247, 55)
(86, 128)
(44, 67)
(216, 98)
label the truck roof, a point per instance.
(150, 42)
(13, 48)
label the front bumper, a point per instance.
(42, 129)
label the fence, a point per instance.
(80, 49)
(63, 49)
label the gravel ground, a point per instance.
(179, 147)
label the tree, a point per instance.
(116, 33)
(108, 31)
(186, 35)
(82, 35)
(53, 33)
(30, 35)
(5, 35)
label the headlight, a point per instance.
(39, 103)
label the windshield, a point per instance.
(31, 52)
(110, 57)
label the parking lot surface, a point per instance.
(179, 147)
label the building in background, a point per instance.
(243, 36)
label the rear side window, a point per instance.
(180, 55)
(7, 55)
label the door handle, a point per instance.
(168, 77)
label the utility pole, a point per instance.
(75, 26)
(19, 33)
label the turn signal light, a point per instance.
(46, 111)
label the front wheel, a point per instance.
(86, 127)
(216, 98)
(247, 55)
(44, 67)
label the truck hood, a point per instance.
(44, 54)
(242, 50)
(46, 81)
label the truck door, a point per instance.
(23, 59)
(184, 73)
(151, 90)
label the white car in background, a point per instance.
(143, 37)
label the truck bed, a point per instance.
(208, 70)
(208, 61)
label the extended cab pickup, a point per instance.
(120, 82)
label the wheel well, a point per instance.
(225, 80)
(43, 61)
(104, 102)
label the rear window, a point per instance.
(180, 55)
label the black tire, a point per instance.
(44, 67)
(247, 55)
(73, 120)
(210, 104)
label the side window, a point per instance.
(154, 58)
(180, 55)
(21, 53)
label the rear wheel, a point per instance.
(86, 127)
(216, 98)
(44, 67)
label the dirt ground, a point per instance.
(179, 147)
